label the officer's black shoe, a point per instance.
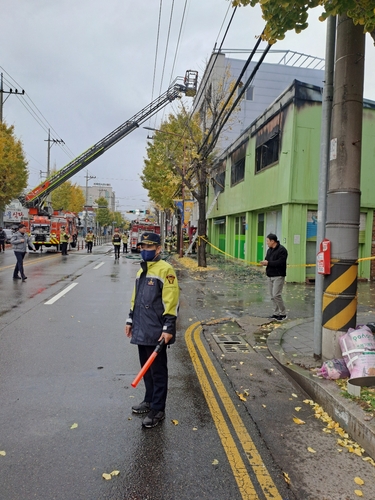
(143, 407)
(153, 418)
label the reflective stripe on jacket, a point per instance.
(154, 304)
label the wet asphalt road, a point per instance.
(69, 363)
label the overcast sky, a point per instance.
(88, 66)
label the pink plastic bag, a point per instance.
(334, 369)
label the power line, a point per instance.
(178, 42)
(35, 112)
(156, 51)
(217, 54)
(237, 100)
(166, 46)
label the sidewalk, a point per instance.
(292, 345)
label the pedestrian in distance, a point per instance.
(89, 239)
(124, 243)
(152, 318)
(275, 262)
(3, 237)
(20, 241)
(64, 240)
(116, 242)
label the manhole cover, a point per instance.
(231, 343)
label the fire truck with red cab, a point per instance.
(137, 228)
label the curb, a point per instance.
(326, 393)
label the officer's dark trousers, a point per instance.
(89, 246)
(117, 251)
(19, 264)
(64, 248)
(124, 248)
(156, 378)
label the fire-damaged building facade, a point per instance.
(268, 181)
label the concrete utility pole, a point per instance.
(88, 177)
(2, 92)
(50, 142)
(343, 200)
(325, 135)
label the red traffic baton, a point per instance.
(148, 363)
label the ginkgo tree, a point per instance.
(69, 197)
(13, 166)
(183, 150)
(285, 15)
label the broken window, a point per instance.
(238, 159)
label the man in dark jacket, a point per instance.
(275, 262)
(3, 237)
(152, 317)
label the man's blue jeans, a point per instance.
(19, 264)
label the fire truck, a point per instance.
(137, 228)
(45, 231)
(44, 223)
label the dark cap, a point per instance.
(20, 226)
(150, 239)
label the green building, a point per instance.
(268, 182)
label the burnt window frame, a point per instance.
(267, 154)
(238, 164)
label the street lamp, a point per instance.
(181, 253)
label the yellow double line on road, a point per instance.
(240, 472)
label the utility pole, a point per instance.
(344, 195)
(9, 92)
(88, 177)
(50, 142)
(325, 136)
(2, 92)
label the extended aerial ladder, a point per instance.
(35, 199)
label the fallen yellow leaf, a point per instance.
(264, 406)
(241, 396)
(311, 450)
(195, 429)
(294, 395)
(106, 476)
(359, 481)
(2, 453)
(115, 473)
(74, 426)
(297, 408)
(286, 477)
(358, 493)
(215, 462)
(298, 421)
(174, 422)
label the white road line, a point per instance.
(61, 294)
(99, 265)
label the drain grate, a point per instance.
(231, 343)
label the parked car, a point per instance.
(9, 233)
